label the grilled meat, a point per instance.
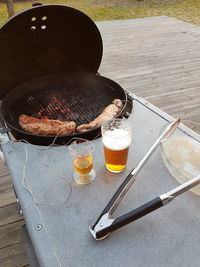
(108, 113)
(46, 126)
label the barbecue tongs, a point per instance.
(105, 224)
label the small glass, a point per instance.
(116, 138)
(81, 151)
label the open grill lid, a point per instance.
(44, 40)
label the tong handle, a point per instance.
(131, 216)
(116, 198)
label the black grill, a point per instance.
(51, 73)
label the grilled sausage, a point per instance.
(46, 126)
(108, 113)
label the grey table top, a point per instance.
(166, 237)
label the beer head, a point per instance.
(117, 139)
(116, 134)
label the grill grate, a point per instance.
(79, 97)
(59, 105)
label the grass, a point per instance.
(186, 10)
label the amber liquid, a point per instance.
(83, 165)
(116, 159)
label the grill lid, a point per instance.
(44, 40)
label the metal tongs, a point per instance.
(105, 224)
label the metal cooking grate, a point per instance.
(59, 105)
(78, 109)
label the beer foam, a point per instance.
(117, 139)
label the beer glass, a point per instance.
(81, 151)
(116, 138)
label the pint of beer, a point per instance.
(116, 138)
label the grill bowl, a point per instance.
(85, 95)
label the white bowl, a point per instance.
(181, 156)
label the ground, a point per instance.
(98, 10)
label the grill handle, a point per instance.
(36, 4)
(4, 136)
(3, 128)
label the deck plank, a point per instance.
(9, 214)
(5, 181)
(7, 197)
(156, 58)
(160, 63)
(10, 234)
(13, 256)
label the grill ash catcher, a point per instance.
(105, 224)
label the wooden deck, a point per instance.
(156, 58)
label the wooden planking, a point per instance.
(13, 256)
(5, 182)
(9, 214)
(7, 197)
(12, 251)
(10, 234)
(156, 58)
(4, 169)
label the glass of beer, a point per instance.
(81, 151)
(116, 138)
